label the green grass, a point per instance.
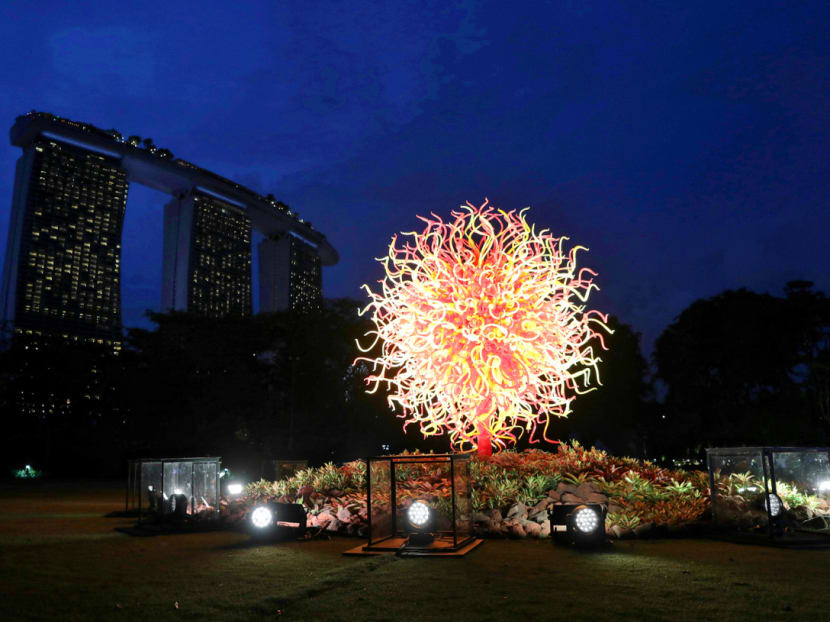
(61, 559)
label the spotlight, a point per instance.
(774, 504)
(419, 518)
(234, 489)
(586, 520)
(418, 514)
(579, 525)
(278, 520)
(179, 506)
(262, 517)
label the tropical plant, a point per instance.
(622, 520)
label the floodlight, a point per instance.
(262, 517)
(234, 489)
(418, 514)
(419, 519)
(586, 520)
(586, 525)
(824, 486)
(179, 506)
(774, 504)
(579, 525)
(275, 520)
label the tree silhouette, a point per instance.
(735, 369)
(619, 415)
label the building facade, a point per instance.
(290, 274)
(62, 276)
(207, 257)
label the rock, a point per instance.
(643, 530)
(343, 515)
(613, 508)
(541, 517)
(585, 490)
(539, 507)
(495, 515)
(563, 487)
(626, 533)
(532, 529)
(569, 497)
(518, 531)
(597, 497)
(334, 525)
(518, 510)
(553, 496)
(544, 530)
(615, 531)
(478, 517)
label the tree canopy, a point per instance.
(739, 368)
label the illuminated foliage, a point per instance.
(482, 328)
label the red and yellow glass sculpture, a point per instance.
(482, 328)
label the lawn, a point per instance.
(62, 559)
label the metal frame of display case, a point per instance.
(775, 531)
(132, 481)
(396, 540)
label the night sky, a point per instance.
(688, 146)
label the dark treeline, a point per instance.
(278, 385)
(743, 368)
(738, 368)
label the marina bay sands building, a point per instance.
(290, 274)
(62, 273)
(207, 257)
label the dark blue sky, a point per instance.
(688, 146)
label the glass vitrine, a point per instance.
(779, 492)
(163, 486)
(419, 502)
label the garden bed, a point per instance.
(510, 494)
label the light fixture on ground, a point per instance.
(578, 525)
(420, 521)
(774, 505)
(178, 505)
(278, 520)
(234, 488)
(262, 517)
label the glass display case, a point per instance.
(419, 503)
(160, 487)
(782, 493)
